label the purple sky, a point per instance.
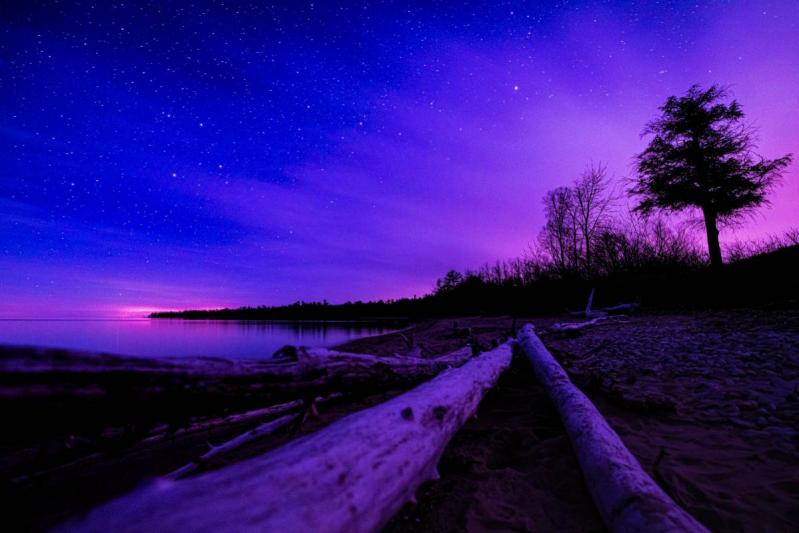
(431, 150)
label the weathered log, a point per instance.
(626, 497)
(352, 476)
(55, 394)
(30, 362)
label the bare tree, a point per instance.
(575, 218)
(592, 206)
(558, 236)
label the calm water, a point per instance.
(153, 338)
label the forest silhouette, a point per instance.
(700, 157)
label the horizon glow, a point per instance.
(157, 157)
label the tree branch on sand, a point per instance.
(263, 430)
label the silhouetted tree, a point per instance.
(451, 279)
(559, 234)
(575, 217)
(701, 155)
(592, 205)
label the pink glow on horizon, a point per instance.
(144, 311)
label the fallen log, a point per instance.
(59, 395)
(353, 475)
(626, 497)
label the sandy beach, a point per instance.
(707, 402)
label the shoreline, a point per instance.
(668, 384)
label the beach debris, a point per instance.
(290, 353)
(589, 312)
(626, 497)
(414, 349)
(263, 430)
(590, 301)
(621, 309)
(571, 327)
(598, 316)
(353, 475)
(216, 451)
(165, 431)
(108, 401)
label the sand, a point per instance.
(708, 402)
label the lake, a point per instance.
(170, 337)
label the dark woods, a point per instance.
(700, 158)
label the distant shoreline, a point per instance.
(365, 321)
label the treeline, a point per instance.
(590, 239)
(530, 286)
(388, 311)
(700, 158)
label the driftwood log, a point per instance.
(352, 476)
(58, 395)
(627, 498)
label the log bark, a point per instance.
(352, 476)
(626, 497)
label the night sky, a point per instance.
(160, 155)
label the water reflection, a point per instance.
(158, 338)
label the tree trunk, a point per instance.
(712, 231)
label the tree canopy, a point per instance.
(701, 155)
